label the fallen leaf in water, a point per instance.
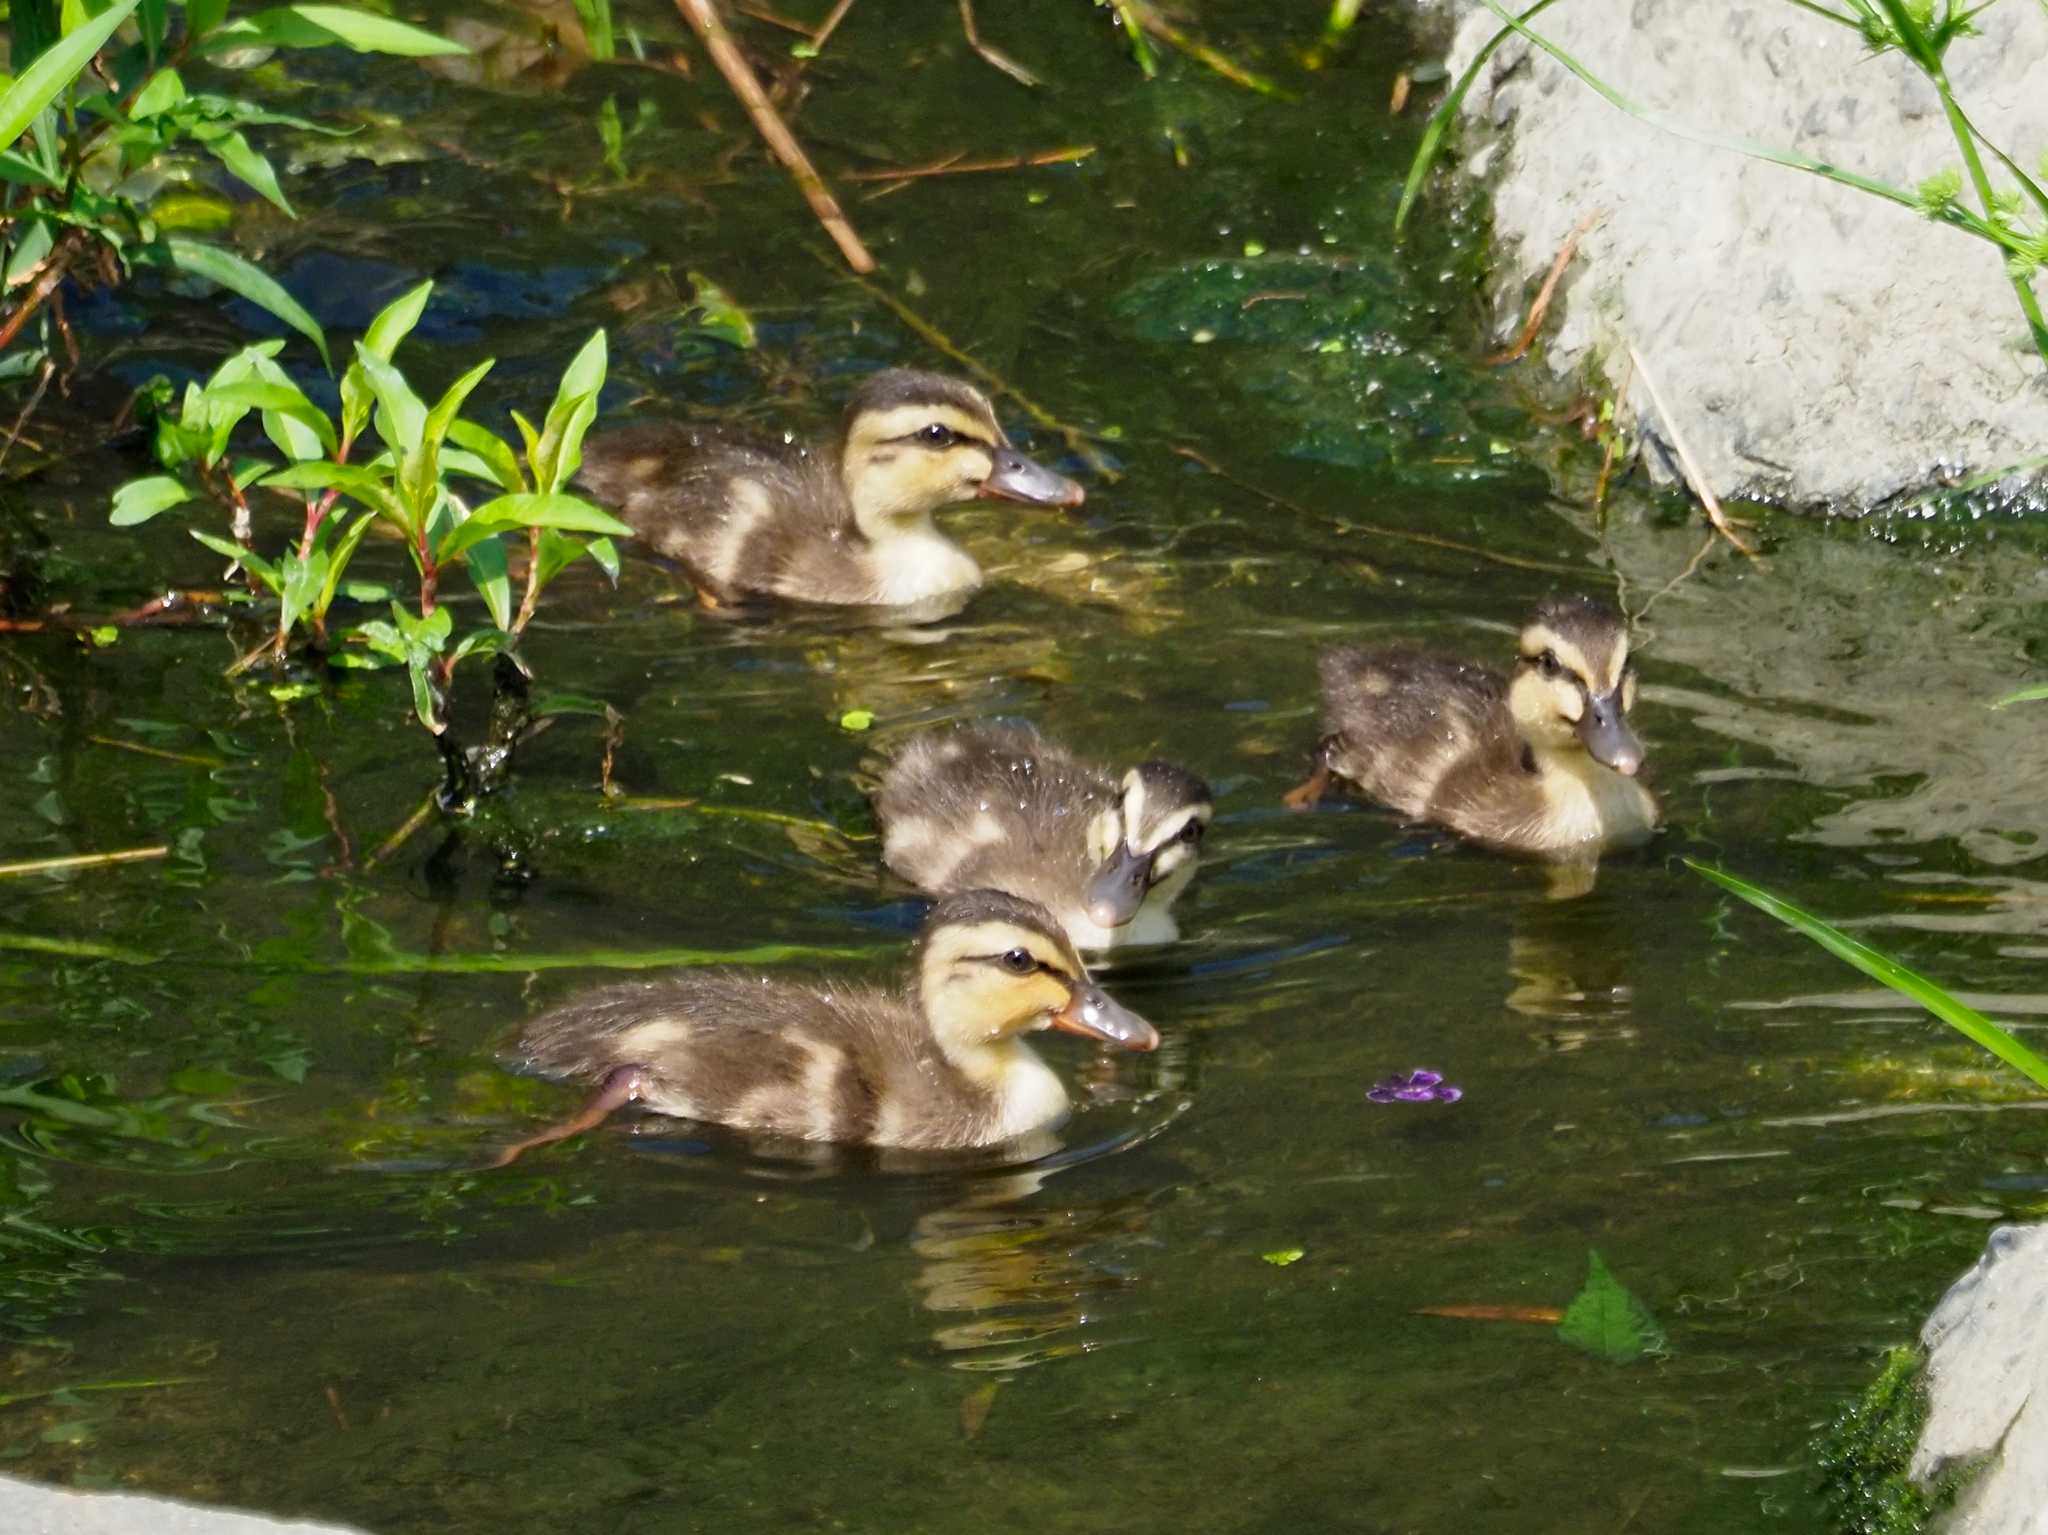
(974, 1408)
(1548, 1316)
(1281, 1257)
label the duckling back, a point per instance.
(810, 1061)
(1402, 724)
(994, 806)
(744, 518)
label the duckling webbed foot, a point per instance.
(1307, 795)
(620, 1087)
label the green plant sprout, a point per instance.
(406, 485)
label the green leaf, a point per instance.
(25, 172)
(34, 241)
(275, 396)
(344, 551)
(715, 314)
(166, 89)
(239, 276)
(54, 69)
(202, 16)
(393, 324)
(857, 719)
(1964, 1019)
(425, 468)
(366, 485)
(527, 510)
(303, 581)
(1605, 1320)
(606, 553)
(487, 566)
(405, 414)
(261, 568)
(316, 26)
(501, 462)
(1284, 1256)
(575, 406)
(139, 500)
(233, 151)
(480, 642)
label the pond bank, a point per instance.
(1817, 345)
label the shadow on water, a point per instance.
(244, 1088)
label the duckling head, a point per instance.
(1147, 842)
(915, 442)
(994, 966)
(1575, 686)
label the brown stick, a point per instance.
(1399, 534)
(829, 25)
(53, 270)
(83, 860)
(35, 398)
(1544, 294)
(725, 53)
(989, 52)
(954, 165)
(1693, 477)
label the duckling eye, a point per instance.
(939, 436)
(1548, 664)
(1192, 832)
(1018, 962)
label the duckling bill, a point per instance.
(849, 524)
(1543, 763)
(1001, 806)
(938, 1064)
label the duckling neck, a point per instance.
(1586, 801)
(910, 560)
(1021, 1091)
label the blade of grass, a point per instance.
(2023, 696)
(1446, 113)
(1965, 1020)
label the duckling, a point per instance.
(1543, 764)
(851, 525)
(1000, 805)
(940, 1064)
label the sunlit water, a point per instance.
(244, 1090)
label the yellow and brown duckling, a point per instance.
(939, 1064)
(850, 524)
(1000, 806)
(1543, 763)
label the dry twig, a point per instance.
(1693, 477)
(83, 861)
(1544, 294)
(989, 52)
(725, 53)
(958, 165)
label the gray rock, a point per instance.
(1818, 345)
(28, 1508)
(1987, 1379)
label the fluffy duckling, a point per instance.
(940, 1064)
(1001, 806)
(1542, 764)
(851, 525)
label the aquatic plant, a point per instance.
(1958, 1015)
(1919, 31)
(1864, 1455)
(340, 493)
(96, 104)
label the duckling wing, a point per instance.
(993, 806)
(734, 512)
(802, 1059)
(1401, 723)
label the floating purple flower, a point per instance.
(1419, 1086)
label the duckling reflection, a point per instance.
(1011, 1276)
(1568, 966)
(849, 525)
(1542, 765)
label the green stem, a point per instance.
(1966, 140)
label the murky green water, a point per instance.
(242, 1088)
